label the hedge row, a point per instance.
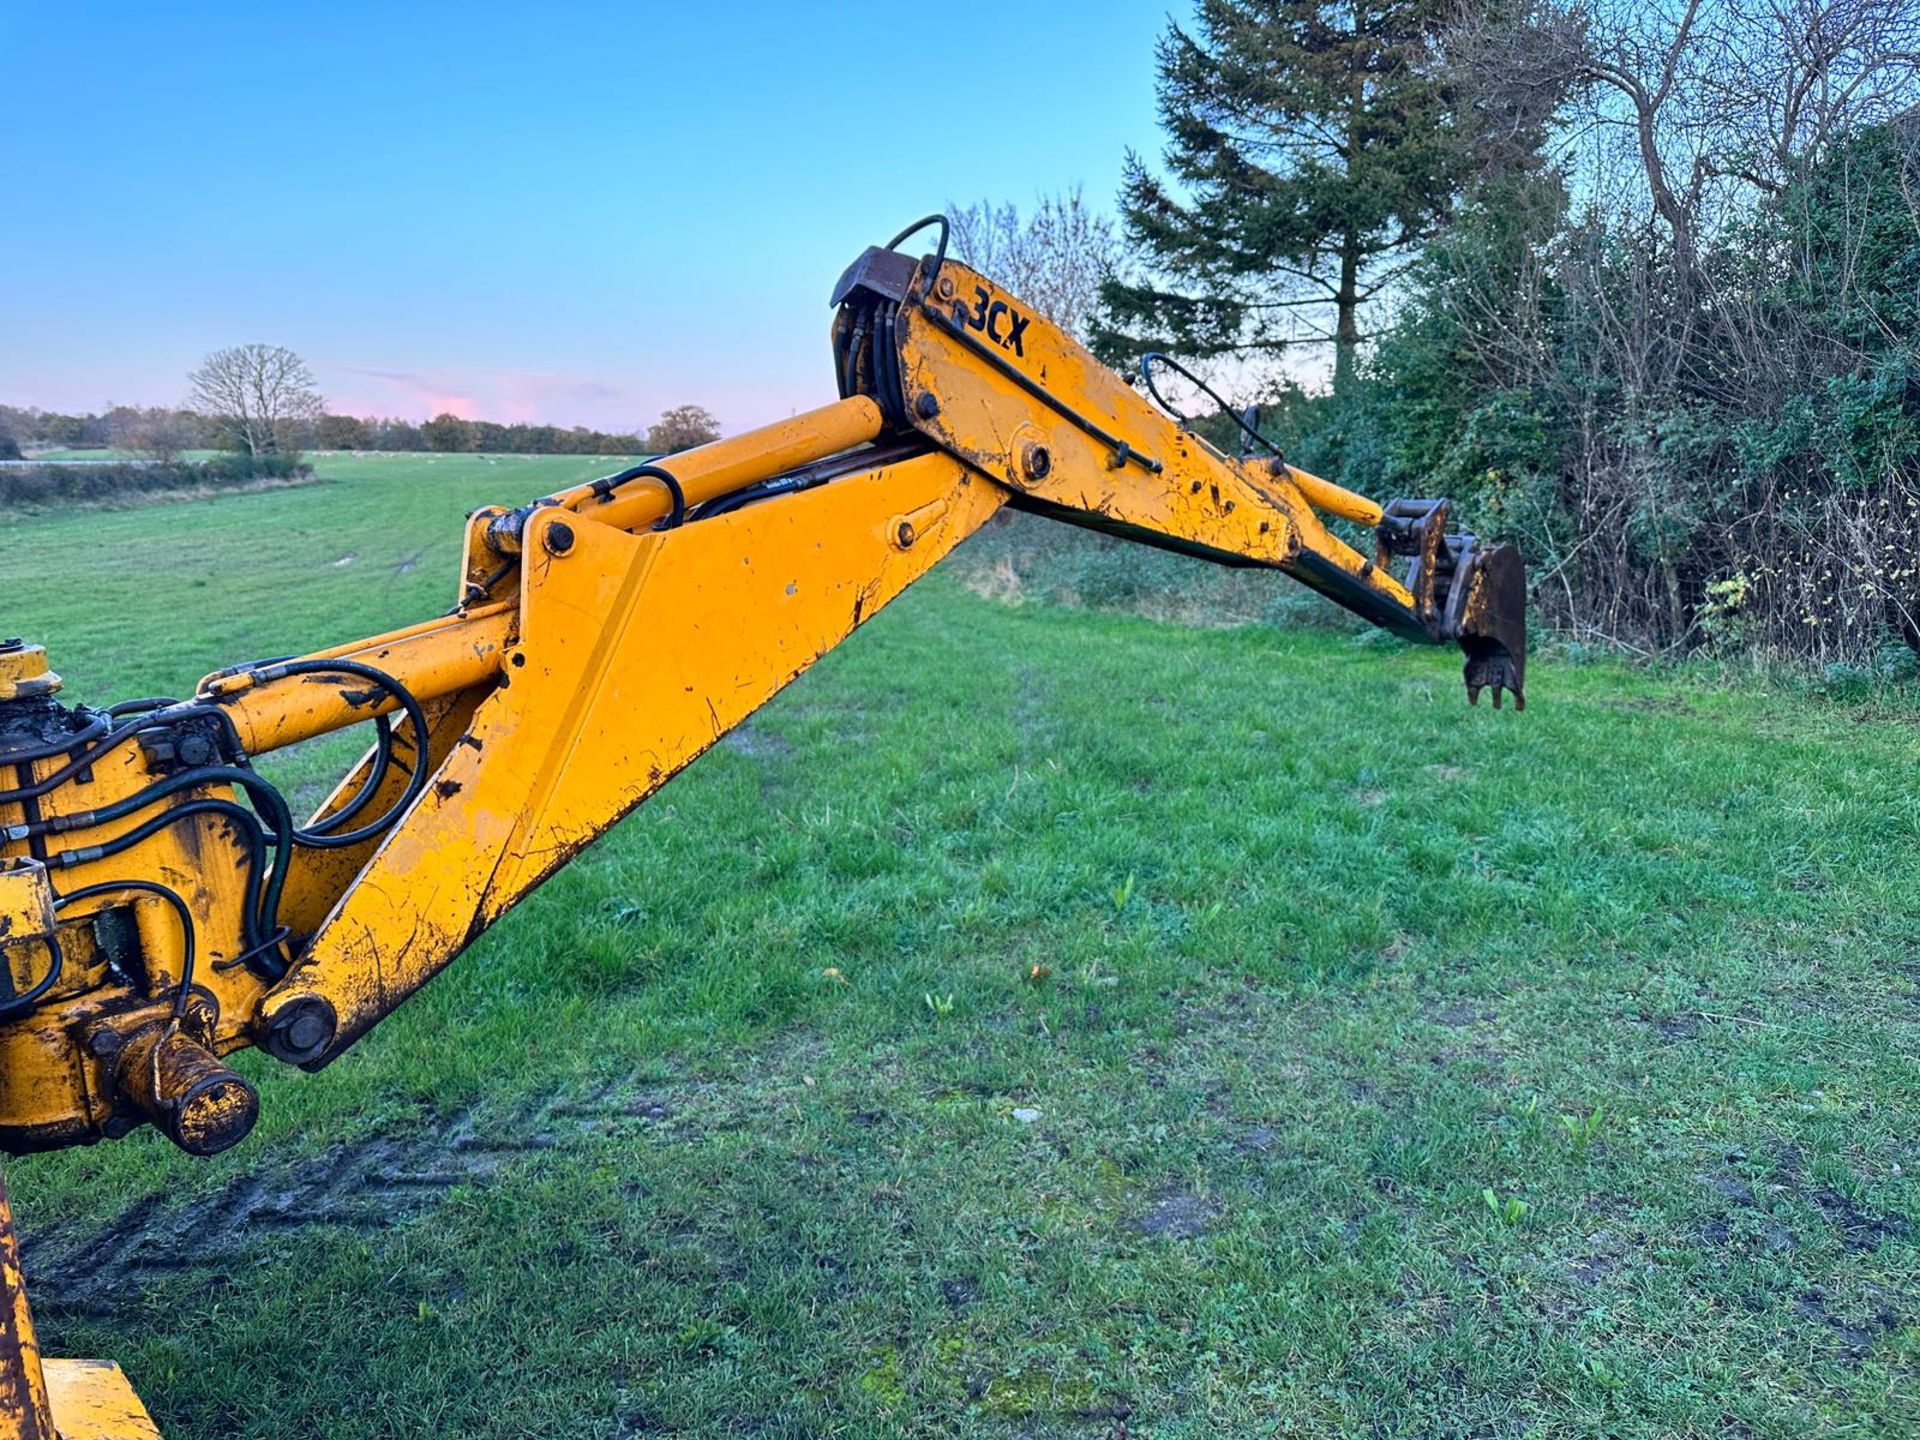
(37, 485)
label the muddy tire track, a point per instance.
(366, 1185)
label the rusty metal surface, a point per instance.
(184, 1089)
(25, 1412)
(1492, 626)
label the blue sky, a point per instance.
(572, 213)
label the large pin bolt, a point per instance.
(185, 1090)
(301, 1029)
(1036, 461)
(559, 538)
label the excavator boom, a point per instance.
(161, 908)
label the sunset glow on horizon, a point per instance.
(577, 218)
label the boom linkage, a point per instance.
(160, 908)
(678, 595)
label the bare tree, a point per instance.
(1054, 258)
(259, 397)
(682, 428)
(1799, 75)
(1707, 103)
(1730, 190)
(157, 434)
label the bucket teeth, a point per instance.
(1493, 672)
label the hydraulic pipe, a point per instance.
(270, 710)
(1334, 499)
(714, 470)
(441, 657)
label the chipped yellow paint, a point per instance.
(1243, 511)
(636, 653)
(24, 672)
(26, 1413)
(93, 1401)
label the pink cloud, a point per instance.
(477, 394)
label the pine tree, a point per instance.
(1310, 144)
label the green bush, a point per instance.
(1733, 469)
(39, 486)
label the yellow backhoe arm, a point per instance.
(160, 908)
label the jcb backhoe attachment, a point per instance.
(949, 356)
(161, 907)
(602, 637)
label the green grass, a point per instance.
(1043, 1019)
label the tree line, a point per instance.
(163, 433)
(1637, 283)
(260, 401)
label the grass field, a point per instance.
(1044, 1022)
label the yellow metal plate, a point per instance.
(93, 1401)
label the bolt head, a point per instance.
(104, 1043)
(306, 1032)
(559, 538)
(301, 1031)
(1036, 461)
(945, 288)
(903, 534)
(926, 405)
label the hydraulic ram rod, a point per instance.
(712, 470)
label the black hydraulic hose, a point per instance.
(90, 756)
(140, 707)
(940, 251)
(382, 762)
(261, 914)
(94, 730)
(322, 838)
(265, 883)
(264, 886)
(264, 796)
(148, 887)
(736, 500)
(20, 1004)
(262, 930)
(676, 515)
(318, 837)
(1155, 357)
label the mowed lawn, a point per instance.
(1042, 1022)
